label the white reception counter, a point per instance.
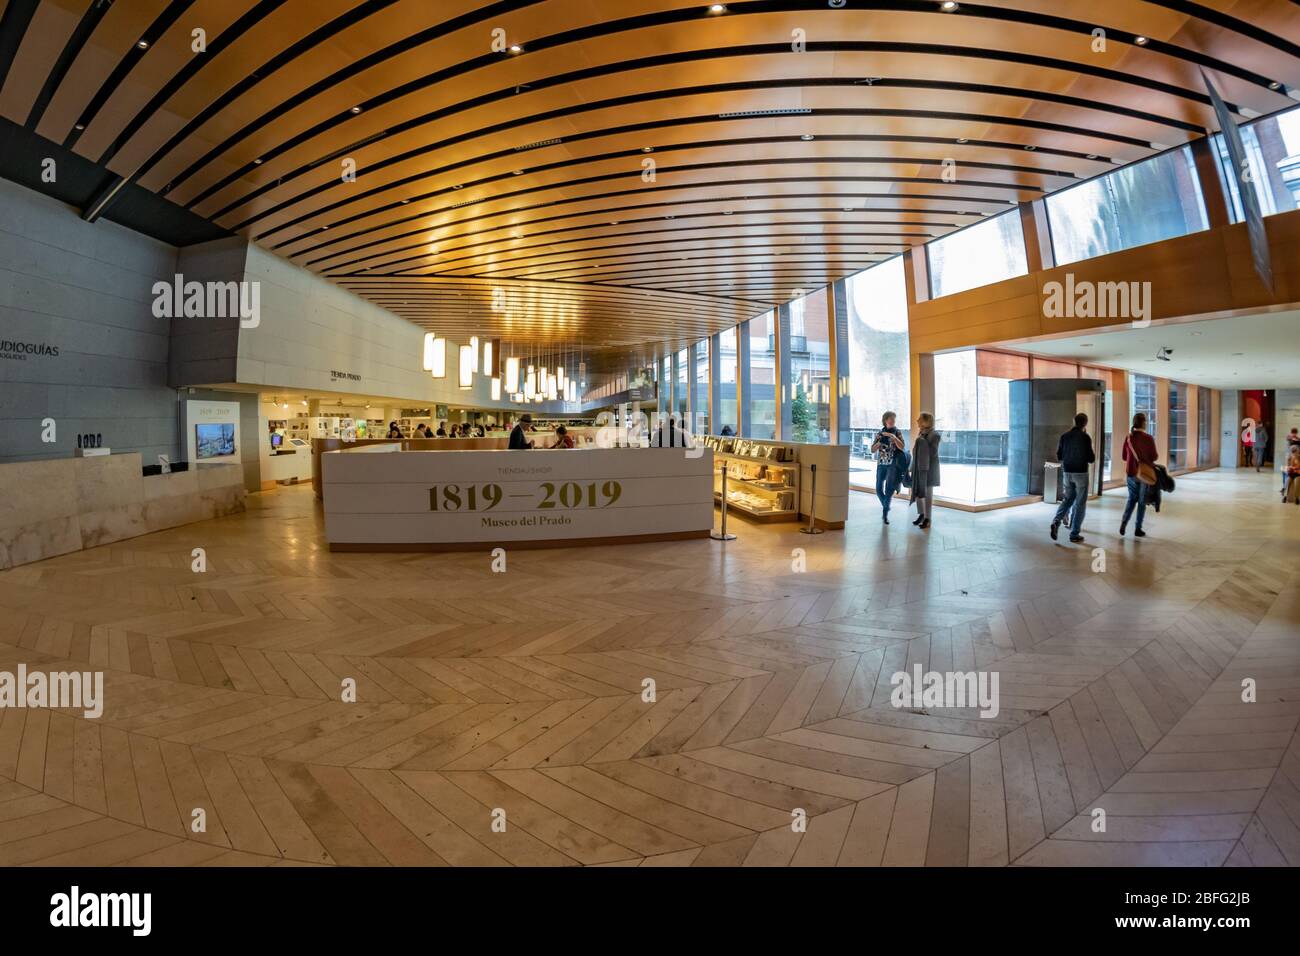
(466, 500)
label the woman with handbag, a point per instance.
(1140, 457)
(925, 468)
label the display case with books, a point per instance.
(762, 477)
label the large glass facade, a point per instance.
(879, 363)
(1178, 437)
(727, 408)
(809, 389)
(700, 388)
(986, 252)
(1273, 159)
(1157, 199)
(760, 388)
(972, 398)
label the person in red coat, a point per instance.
(1139, 449)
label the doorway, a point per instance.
(1257, 407)
(1093, 404)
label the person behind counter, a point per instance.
(442, 430)
(517, 440)
(422, 431)
(562, 438)
(394, 431)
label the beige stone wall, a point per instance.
(62, 505)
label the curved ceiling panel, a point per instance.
(649, 176)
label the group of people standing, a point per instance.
(918, 471)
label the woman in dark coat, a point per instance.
(925, 468)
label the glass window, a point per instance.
(978, 255)
(956, 405)
(1142, 398)
(810, 370)
(1156, 199)
(727, 381)
(880, 365)
(972, 397)
(760, 390)
(1177, 426)
(1272, 149)
(1203, 426)
(700, 396)
(683, 370)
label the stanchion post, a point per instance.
(812, 507)
(723, 535)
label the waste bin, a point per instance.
(1052, 481)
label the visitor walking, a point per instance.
(890, 453)
(1140, 456)
(1261, 445)
(1074, 452)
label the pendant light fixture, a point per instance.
(466, 366)
(438, 360)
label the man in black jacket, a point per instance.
(1074, 452)
(517, 440)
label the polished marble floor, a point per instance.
(501, 718)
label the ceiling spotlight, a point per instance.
(717, 8)
(356, 109)
(949, 6)
(405, 201)
(647, 149)
(1163, 354)
(1141, 41)
(806, 136)
(257, 162)
(143, 44)
(80, 126)
(726, 212)
(962, 139)
(1275, 85)
(519, 172)
(1030, 147)
(516, 48)
(1092, 155)
(848, 209)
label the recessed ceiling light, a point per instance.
(257, 162)
(516, 48)
(1275, 85)
(670, 217)
(848, 209)
(143, 44)
(1092, 155)
(1141, 41)
(963, 140)
(1030, 146)
(356, 109)
(519, 172)
(647, 149)
(717, 8)
(806, 136)
(457, 186)
(949, 6)
(405, 201)
(726, 212)
(613, 222)
(80, 126)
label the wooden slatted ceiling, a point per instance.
(479, 170)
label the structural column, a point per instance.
(781, 325)
(742, 379)
(841, 369)
(715, 384)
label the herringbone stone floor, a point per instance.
(518, 696)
